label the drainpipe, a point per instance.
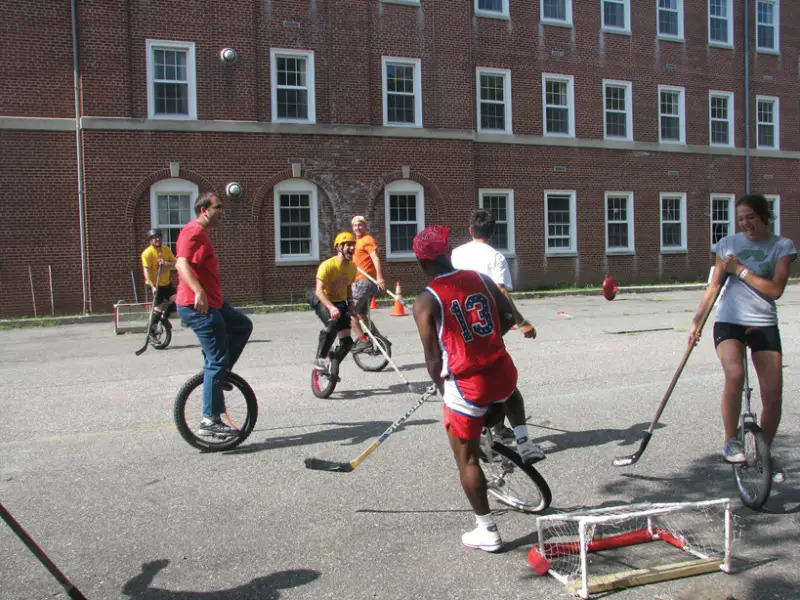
(79, 154)
(746, 97)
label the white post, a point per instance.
(584, 560)
(33, 294)
(726, 564)
(52, 303)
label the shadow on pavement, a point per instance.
(262, 588)
(568, 440)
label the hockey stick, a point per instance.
(624, 461)
(393, 295)
(72, 591)
(378, 345)
(319, 464)
(152, 312)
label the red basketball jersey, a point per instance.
(469, 324)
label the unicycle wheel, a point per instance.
(754, 476)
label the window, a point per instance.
(671, 111)
(172, 207)
(296, 230)
(558, 102)
(617, 110)
(556, 12)
(292, 81)
(767, 32)
(767, 122)
(491, 8)
(673, 222)
(720, 23)
(501, 204)
(722, 217)
(619, 222)
(670, 19)
(494, 99)
(774, 202)
(171, 92)
(720, 118)
(402, 92)
(560, 227)
(405, 217)
(616, 15)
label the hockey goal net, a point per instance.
(695, 538)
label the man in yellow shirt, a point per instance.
(332, 298)
(163, 291)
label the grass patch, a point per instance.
(20, 323)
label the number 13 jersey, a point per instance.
(469, 324)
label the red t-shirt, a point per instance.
(195, 246)
(470, 330)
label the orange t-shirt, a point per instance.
(365, 245)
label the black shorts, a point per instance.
(164, 293)
(758, 338)
(343, 322)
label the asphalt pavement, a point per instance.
(94, 469)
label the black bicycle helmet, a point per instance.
(154, 233)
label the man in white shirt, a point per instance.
(478, 255)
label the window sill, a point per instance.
(768, 51)
(295, 262)
(673, 142)
(722, 45)
(568, 136)
(609, 138)
(402, 258)
(565, 253)
(617, 31)
(407, 2)
(496, 131)
(713, 145)
(295, 121)
(770, 148)
(172, 117)
(673, 251)
(670, 38)
(626, 252)
(556, 23)
(492, 15)
(403, 125)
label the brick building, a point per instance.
(610, 136)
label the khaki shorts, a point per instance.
(363, 292)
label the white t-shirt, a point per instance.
(480, 257)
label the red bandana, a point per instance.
(432, 242)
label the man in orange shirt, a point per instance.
(366, 259)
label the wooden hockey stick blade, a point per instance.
(318, 464)
(624, 461)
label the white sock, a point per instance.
(484, 521)
(521, 433)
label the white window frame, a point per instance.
(669, 36)
(303, 186)
(573, 224)
(495, 14)
(731, 222)
(672, 196)
(511, 249)
(570, 81)
(403, 186)
(171, 186)
(776, 122)
(506, 74)
(416, 64)
(191, 78)
(717, 43)
(630, 248)
(681, 113)
(775, 200)
(626, 9)
(776, 28)
(628, 108)
(274, 54)
(729, 96)
(565, 22)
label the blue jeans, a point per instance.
(222, 333)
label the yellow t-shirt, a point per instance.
(336, 278)
(150, 258)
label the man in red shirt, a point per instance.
(221, 330)
(461, 317)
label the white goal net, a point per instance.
(131, 317)
(694, 538)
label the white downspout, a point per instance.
(79, 156)
(746, 97)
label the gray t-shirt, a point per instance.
(739, 303)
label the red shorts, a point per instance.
(467, 399)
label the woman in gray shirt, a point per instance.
(753, 265)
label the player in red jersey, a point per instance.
(461, 317)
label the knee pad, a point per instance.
(345, 344)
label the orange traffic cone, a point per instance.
(398, 310)
(374, 303)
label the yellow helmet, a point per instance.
(344, 238)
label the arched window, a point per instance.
(296, 225)
(405, 217)
(171, 207)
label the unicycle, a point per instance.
(324, 382)
(754, 476)
(508, 478)
(160, 335)
(372, 359)
(241, 412)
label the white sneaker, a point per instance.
(529, 451)
(482, 538)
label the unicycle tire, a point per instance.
(372, 359)
(324, 382)
(514, 483)
(754, 476)
(241, 413)
(161, 336)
